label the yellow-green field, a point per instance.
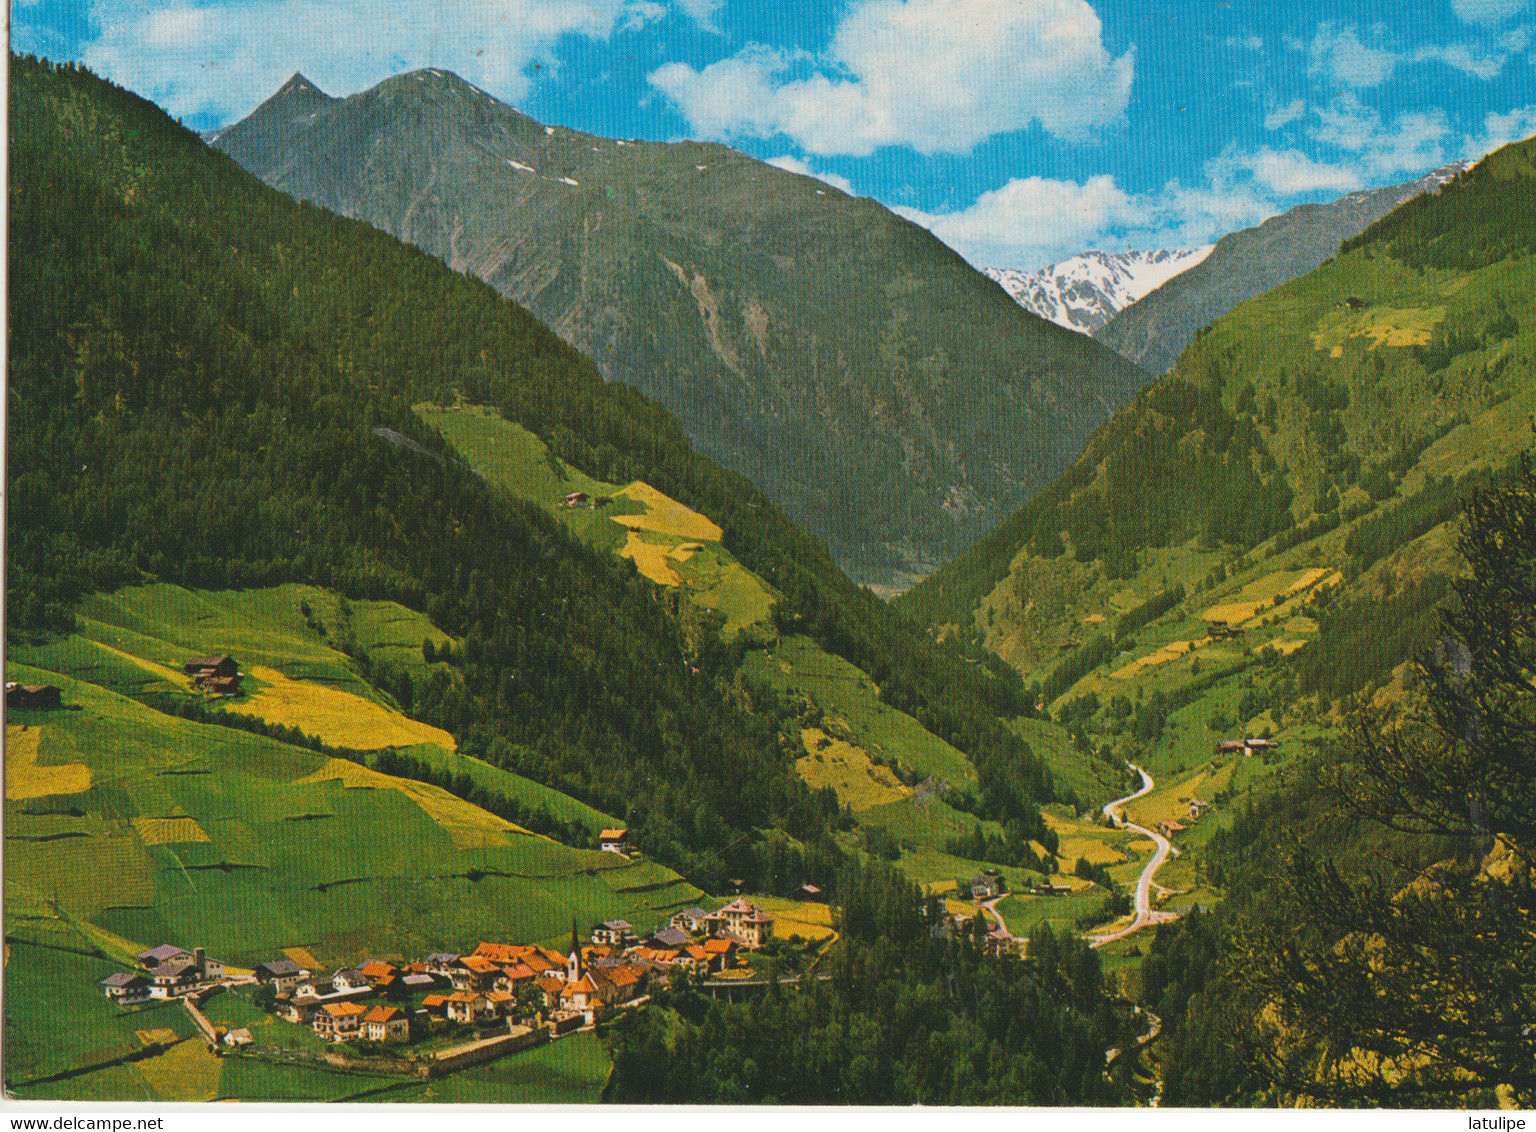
(666, 516)
(1165, 655)
(469, 826)
(25, 778)
(339, 718)
(670, 543)
(1383, 325)
(169, 831)
(806, 919)
(1261, 595)
(1171, 803)
(859, 783)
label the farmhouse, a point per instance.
(669, 938)
(237, 1038)
(386, 1024)
(33, 696)
(126, 987)
(614, 841)
(339, 1021)
(986, 886)
(441, 963)
(465, 1006)
(743, 920)
(615, 932)
(476, 973)
(218, 674)
(201, 668)
(810, 892)
(282, 974)
(436, 1005)
(173, 970)
(690, 919)
(578, 499)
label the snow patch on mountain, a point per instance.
(1086, 291)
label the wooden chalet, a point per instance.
(33, 696)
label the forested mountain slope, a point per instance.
(198, 365)
(1154, 331)
(887, 396)
(1259, 548)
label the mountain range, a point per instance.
(889, 397)
(1084, 292)
(1154, 331)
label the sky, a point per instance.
(1019, 131)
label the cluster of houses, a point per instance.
(496, 981)
(1197, 807)
(1245, 746)
(33, 696)
(164, 972)
(218, 674)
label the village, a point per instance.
(493, 1000)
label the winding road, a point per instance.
(1143, 905)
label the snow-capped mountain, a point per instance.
(1086, 291)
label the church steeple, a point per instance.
(573, 966)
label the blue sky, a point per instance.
(1020, 131)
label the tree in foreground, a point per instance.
(1424, 993)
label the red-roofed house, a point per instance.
(386, 1024)
(478, 973)
(465, 1006)
(614, 841)
(339, 1021)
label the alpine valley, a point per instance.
(876, 387)
(403, 705)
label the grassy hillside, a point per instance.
(1321, 427)
(221, 395)
(889, 771)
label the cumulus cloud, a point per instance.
(1486, 11)
(1284, 115)
(937, 75)
(1410, 142)
(1341, 56)
(1500, 130)
(1289, 172)
(1033, 221)
(796, 165)
(702, 12)
(216, 59)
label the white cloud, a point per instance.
(1486, 11)
(937, 75)
(1410, 143)
(795, 165)
(1462, 58)
(1499, 130)
(1032, 221)
(702, 12)
(1291, 172)
(219, 59)
(1284, 115)
(1340, 55)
